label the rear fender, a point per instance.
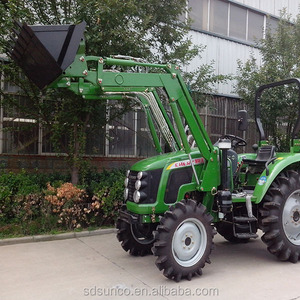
(264, 181)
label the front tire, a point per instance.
(184, 240)
(280, 217)
(138, 239)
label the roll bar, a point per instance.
(258, 94)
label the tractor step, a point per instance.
(244, 219)
(244, 227)
(246, 235)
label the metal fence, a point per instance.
(220, 117)
(125, 137)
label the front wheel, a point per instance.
(280, 217)
(136, 238)
(183, 240)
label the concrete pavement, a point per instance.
(96, 267)
(55, 237)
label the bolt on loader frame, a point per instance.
(174, 201)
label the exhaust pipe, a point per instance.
(44, 52)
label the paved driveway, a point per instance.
(97, 268)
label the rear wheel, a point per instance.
(280, 217)
(183, 240)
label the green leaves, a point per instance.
(280, 54)
(135, 28)
(202, 82)
(154, 30)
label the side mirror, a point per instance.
(242, 120)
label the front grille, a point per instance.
(152, 179)
(177, 178)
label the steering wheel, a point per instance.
(236, 141)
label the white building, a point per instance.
(229, 28)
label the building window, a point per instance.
(198, 13)
(237, 22)
(271, 24)
(121, 136)
(95, 142)
(218, 17)
(20, 136)
(129, 136)
(230, 20)
(255, 26)
(47, 145)
(144, 146)
(19, 131)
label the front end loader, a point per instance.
(176, 201)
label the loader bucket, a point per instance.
(44, 52)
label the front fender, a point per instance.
(264, 182)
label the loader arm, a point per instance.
(57, 66)
(102, 82)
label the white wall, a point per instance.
(273, 6)
(224, 53)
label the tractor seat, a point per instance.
(266, 153)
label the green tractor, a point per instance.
(173, 202)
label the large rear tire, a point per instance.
(184, 240)
(280, 217)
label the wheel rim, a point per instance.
(189, 242)
(291, 218)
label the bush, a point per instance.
(68, 203)
(40, 203)
(107, 202)
(108, 192)
(16, 191)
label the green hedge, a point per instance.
(44, 203)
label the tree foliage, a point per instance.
(127, 27)
(154, 30)
(279, 60)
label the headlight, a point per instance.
(125, 194)
(126, 181)
(141, 175)
(139, 196)
(136, 196)
(140, 184)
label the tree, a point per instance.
(154, 30)
(280, 53)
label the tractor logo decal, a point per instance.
(262, 180)
(186, 163)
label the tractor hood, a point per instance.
(173, 159)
